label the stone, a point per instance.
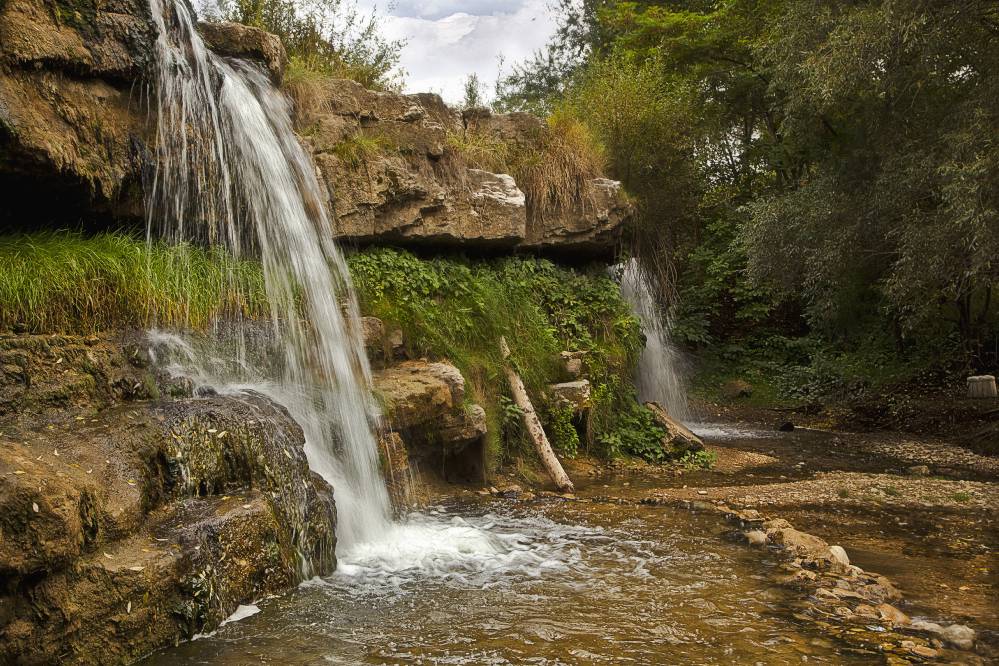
(919, 470)
(417, 190)
(785, 426)
(889, 613)
(924, 651)
(573, 362)
(838, 553)
(373, 330)
(798, 543)
(235, 40)
(960, 636)
(756, 538)
(982, 386)
(573, 394)
(153, 523)
(463, 426)
(679, 439)
(418, 392)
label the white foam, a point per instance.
(242, 612)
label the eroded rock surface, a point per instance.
(430, 422)
(130, 521)
(393, 168)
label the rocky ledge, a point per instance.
(77, 132)
(129, 520)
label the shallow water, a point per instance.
(500, 583)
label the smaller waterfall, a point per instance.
(660, 369)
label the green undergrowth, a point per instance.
(452, 309)
(65, 282)
(457, 310)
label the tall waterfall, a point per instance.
(230, 173)
(660, 375)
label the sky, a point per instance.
(449, 39)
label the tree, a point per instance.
(473, 92)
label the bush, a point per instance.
(328, 37)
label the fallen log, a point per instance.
(533, 425)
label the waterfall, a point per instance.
(660, 368)
(230, 173)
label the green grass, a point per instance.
(359, 148)
(65, 282)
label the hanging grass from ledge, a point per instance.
(66, 282)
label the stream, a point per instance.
(539, 583)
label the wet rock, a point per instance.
(785, 426)
(241, 41)
(148, 523)
(889, 613)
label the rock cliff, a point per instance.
(76, 133)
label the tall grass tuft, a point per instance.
(555, 173)
(65, 282)
(308, 89)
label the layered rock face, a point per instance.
(73, 130)
(393, 168)
(77, 132)
(129, 520)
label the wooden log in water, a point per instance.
(983, 386)
(533, 425)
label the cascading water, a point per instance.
(231, 173)
(659, 377)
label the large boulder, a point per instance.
(235, 40)
(141, 525)
(430, 424)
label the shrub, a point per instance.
(328, 37)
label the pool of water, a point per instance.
(495, 582)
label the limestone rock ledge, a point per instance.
(77, 137)
(394, 175)
(130, 522)
(429, 424)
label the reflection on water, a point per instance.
(500, 584)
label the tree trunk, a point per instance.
(533, 425)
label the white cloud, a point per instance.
(450, 39)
